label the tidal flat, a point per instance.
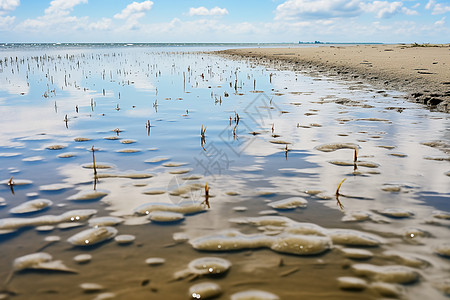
(172, 173)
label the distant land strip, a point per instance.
(422, 71)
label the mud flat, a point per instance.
(422, 71)
(149, 173)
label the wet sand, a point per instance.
(273, 147)
(422, 72)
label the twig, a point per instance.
(93, 160)
(11, 185)
(341, 206)
(206, 195)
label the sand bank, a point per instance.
(422, 72)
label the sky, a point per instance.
(216, 21)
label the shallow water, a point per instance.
(270, 135)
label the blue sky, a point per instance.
(399, 21)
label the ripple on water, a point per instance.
(406, 259)
(131, 150)
(157, 159)
(351, 283)
(92, 236)
(9, 154)
(56, 147)
(391, 188)
(254, 294)
(67, 155)
(52, 238)
(443, 250)
(82, 258)
(289, 203)
(89, 195)
(205, 266)
(205, 290)
(105, 221)
(16, 182)
(209, 266)
(153, 192)
(186, 188)
(174, 164)
(301, 244)
(155, 261)
(395, 212)
(413, 234)
(280, 142)
(125, 239)
(98, 165)
(354, 238)
(45, 228)
(297, 244)
(88, 287)
(10, 225)
(387, 289)
(165, 216)
(111, 138)
(31, 206)
(347, 163)
(336, 146)
(362, 215)
(390, 274)
(33, 159)
(355, 253)
(81, 139)
(55, 187)
(185, 207)
(129, 141)
(105, 296)
(439, 214)
(40, 261)
(125, 175)
(180, 171)
(231, 240)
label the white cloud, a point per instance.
(57, 18)
(6, 22)
(8, 5)
(203, 11)
(317, 9)
(62, 6)
(134, 9)
(327, 9)
(430, 4)
(441, 22)
(385, 9)
(103, 24)
(440, 9)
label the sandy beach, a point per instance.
(422, 72)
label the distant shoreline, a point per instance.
(422, 71)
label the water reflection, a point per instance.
(223, 146)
